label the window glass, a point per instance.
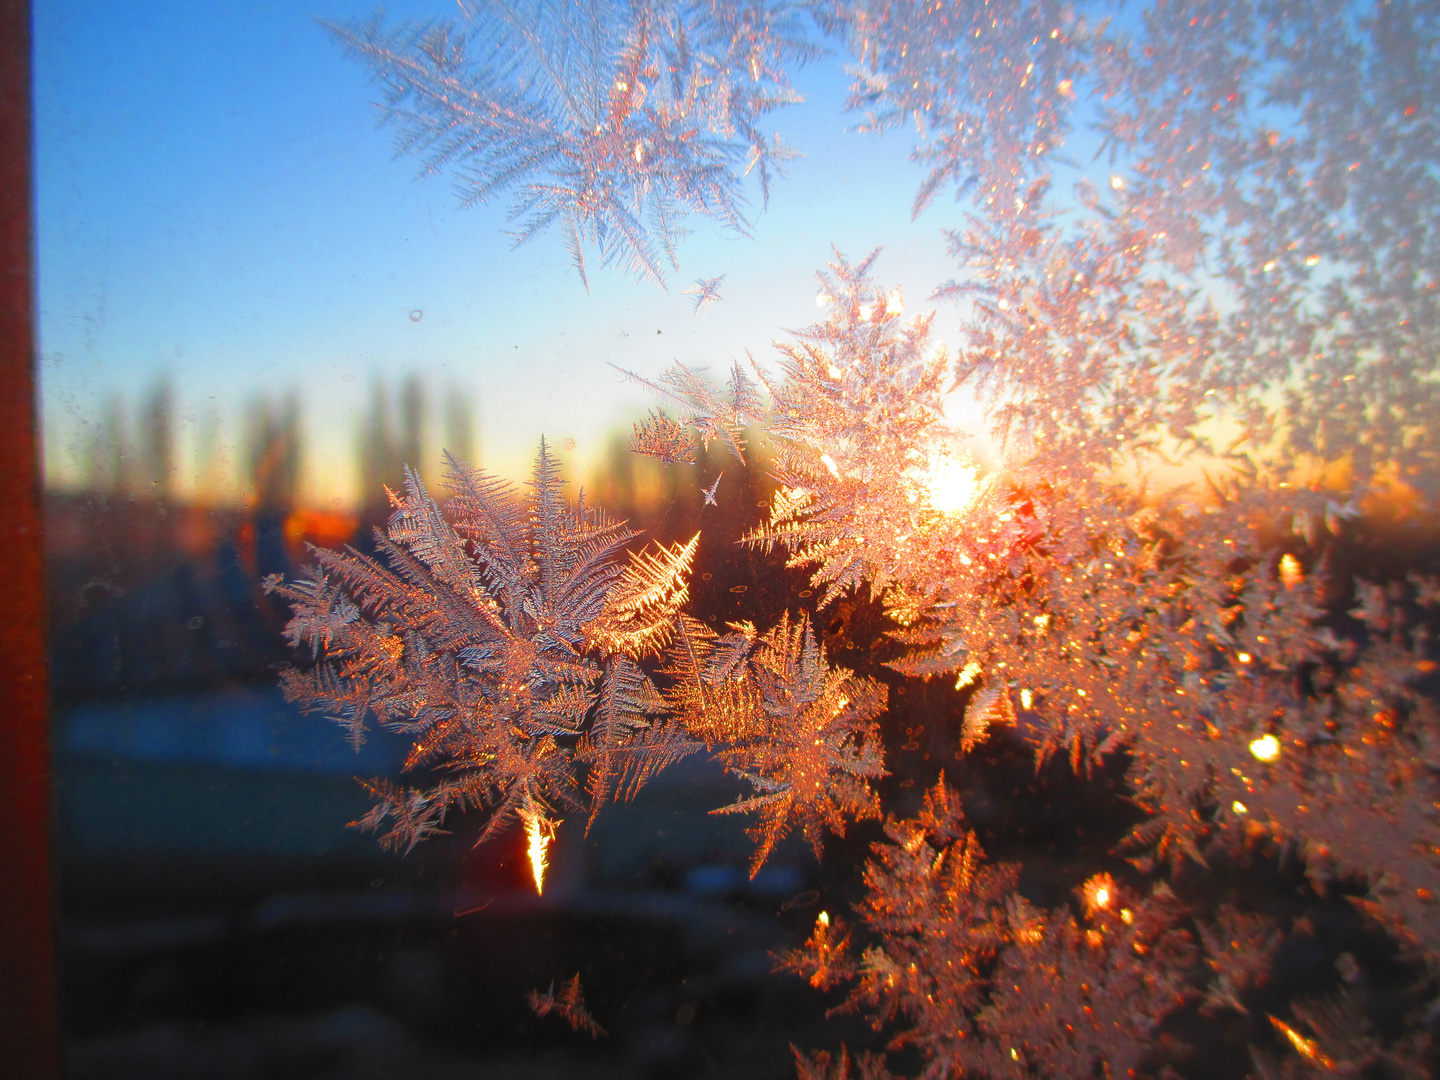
(1051, 391)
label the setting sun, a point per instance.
(949, 484)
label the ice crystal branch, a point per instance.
(799, 732)
(813, 748)
(868, 468)
(569, 1005)
(611, 120)
(715, 414)
(706, 292)
(661, 437)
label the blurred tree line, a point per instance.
(133, 452)
(155, 557)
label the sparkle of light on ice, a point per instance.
(540, 833)
(1266, 748)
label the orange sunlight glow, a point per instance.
(540, 833)
(1098, 893)
(1291, 572)
(969, 673)
(1306, 1048)
(949, 484)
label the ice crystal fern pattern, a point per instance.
(503, 642)
(612, 121)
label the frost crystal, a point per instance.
(503, 641)
(611, 120)
(569, 1005)
(801, 733)
(706, 291)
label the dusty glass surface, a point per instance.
(1021, 636)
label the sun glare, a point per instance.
(949, 484)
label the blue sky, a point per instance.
(216, 204)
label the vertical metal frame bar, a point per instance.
(29, 1030)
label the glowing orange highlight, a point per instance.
(1266, 748)
(540, 833)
